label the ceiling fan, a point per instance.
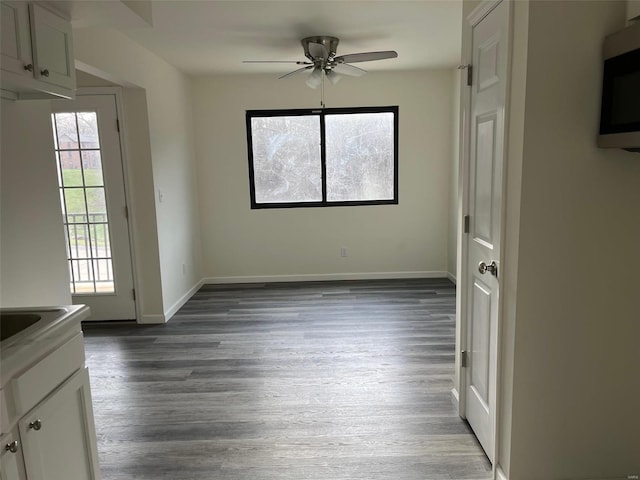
(322, 61)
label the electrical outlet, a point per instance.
(343, 251)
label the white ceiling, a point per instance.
(213, 37)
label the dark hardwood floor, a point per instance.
(324, 380)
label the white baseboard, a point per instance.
(182, 300)
(452, 277)
(500, 475)
(151, 319)
(323, 277)
(456, 398)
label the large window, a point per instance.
(328, 157)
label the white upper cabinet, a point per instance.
(37, 52)
(16, 39)
(52, 48)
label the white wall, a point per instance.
(574, 318)
(33, 261)
(169, 101)
(244, 244)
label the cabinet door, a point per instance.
(58, 435)
(11, 462)
(52, 48)
(16, 39)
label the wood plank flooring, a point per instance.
(304, 381)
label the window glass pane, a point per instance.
(67, 131)
(360, 156)
(100, 240)
(71, 171)
(88, 130)
(286, 159)
(79, 240)
(96, 204)
(92, 165)
(76, 208)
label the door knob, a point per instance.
(492, 268)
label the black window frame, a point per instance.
(322, 113)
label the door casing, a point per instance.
(118, 95)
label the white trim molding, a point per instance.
(500, 475)
(455, 397)
(452, 277)
(182, 300)
(324, 277)
(152, 319)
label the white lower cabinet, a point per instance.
(54, 434)
(46, 413)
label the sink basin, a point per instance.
(12, 323)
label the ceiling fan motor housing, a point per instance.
(329, 43)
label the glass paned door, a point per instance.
(82, 197)
(93, 205)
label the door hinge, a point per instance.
(133, 292)
(465, 224)
(464, 358)
(118, 125)
(469, 69)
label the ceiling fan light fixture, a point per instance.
(333, 77)
(315, 79)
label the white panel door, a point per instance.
(94, 207)
(482, 285)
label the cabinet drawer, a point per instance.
(36, 383)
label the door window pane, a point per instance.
(92, 167)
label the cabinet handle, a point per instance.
(29, 67)
(44, 73)
(12, 447)
(36, 425)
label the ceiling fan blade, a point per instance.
(346, 69)
(366, 57)
(318, 50)
(315, 79)
(277, 61)
(295, 71)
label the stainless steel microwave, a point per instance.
(620, 108)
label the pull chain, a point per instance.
(322, 90)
